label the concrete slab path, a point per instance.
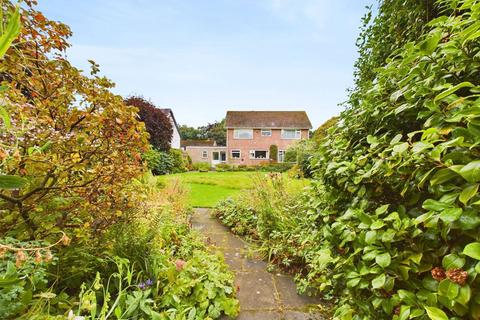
(262, 295)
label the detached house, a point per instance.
(251, 133)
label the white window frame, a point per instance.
(266, 132)
(239, 154)
(278, 155)
(298, 134)
(252, 155)
(236, 134)
(205, 154)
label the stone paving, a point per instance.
(262, 295)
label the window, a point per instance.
(236, 154)
(266, 132)
(216, 156)
(291, 134)
(204, 154)
(243, 134)
(281, 155)
(258, 154)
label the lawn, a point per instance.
(208, 188)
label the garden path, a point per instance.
(262, 295)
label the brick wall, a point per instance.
(258, 143)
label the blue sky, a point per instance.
(203, 57)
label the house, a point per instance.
(204, 151)
(175, 143)
(250, 134)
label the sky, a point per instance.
(203, 57)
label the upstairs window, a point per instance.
(266, 132)
(291, 134)
(258, 154)
(236, 154)
(243, 133)
(204, 154)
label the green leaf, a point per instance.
(11, 31)
(407, 297)
(442, 175)
(448, 289)
(464, 295)
(429, 45)
(5, 117)
(383, 260)
(452, 90)
(472, 250)
(468, 193)
(434, 205)
(471, 171)
(11, 182)
(452, 261)
(436, 314)
(451, 214)
(379, 281)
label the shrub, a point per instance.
(273, 153)
(274, 167)
(161, 162)
(291, 155)
(202, 166)
(224, 167)
(178, 161)
(397, 197)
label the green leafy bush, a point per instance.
(273, 153)
(165, 162)
(222, 167)
(397, 197)
(201, 166)
(271, 213)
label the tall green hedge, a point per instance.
(396, 201)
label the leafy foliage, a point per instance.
(73, 143)
(398, 185)
(322, 131)
(156, 122)
(213, 131)
(165, 162)
(273, 153)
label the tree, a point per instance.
(215, 131)
(157, 124)
(190, 133)
(73, 143)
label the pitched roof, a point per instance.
(268, 119)
(169, 113)
(198, 143)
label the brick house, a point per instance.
(251, 133)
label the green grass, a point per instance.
(208, 188)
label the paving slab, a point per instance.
(289, 296)
(262, 295)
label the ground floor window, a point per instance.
(281, 155)
(204, 154)
(258, 154)
(216, 156)
(236, 154)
